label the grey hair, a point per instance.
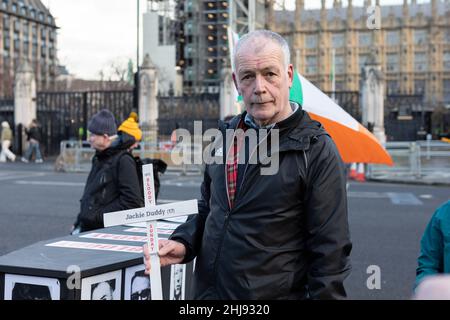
(266, 34)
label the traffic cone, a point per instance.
(360, 175)
(353, 173)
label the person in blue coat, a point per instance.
(435, 245)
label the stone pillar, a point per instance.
(24, 101)
(148, 100)
(228, 94)
(373, 83)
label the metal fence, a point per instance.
(415, 159)
(62, 114)
(7, 111)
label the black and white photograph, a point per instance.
(18, 287)
(106, 286)
(177, 281)
(137, 284)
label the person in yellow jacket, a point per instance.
(6, 143)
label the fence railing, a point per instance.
(76, 156)
(416, 158)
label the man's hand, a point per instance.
(170, 252)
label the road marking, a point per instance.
(51, 183)
(399, 198)
(426, 196)
(20, 175)
(366, 194)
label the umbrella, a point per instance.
(354, 142)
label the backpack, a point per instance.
(159, 166)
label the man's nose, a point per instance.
(260, 85)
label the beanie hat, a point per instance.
(5, 124)
(103, 123)
(131, 127)
(134, 116)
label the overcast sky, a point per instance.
(93, 33)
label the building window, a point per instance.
(392, 62)
(6, 43)
(420, 37)
(339, 85)
(49, 19)
(43, 52)
(6, 22)
(365, 39)
(311, 64)
(419, 86)
(26, 30)
(16, 45)
(338, 40)
(26, 48)
(33, 13)
(446, 92)
(447, 60)
(420, 62)
(392, 38)
(14, 7)
(339, 64)
(23, 11)
(41, 16)
(5, 4)
(392, 87)
(311, 41)
(447, 35)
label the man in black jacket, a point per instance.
(33, 138)
(112, 184)
(278, 236)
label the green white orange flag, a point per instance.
(354, 142)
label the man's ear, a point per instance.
(290, 75)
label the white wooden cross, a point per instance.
(149, 214)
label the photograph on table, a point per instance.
(177, 281)
(19, 287)
(137, 284)
(106, 286)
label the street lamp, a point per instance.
(136, 75)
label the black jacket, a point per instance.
(287, 236)
(112, 185)
(34, 133)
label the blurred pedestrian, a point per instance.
(434, 255)
(112, 184)
(34, 138)
(6, 143)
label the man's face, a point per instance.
(102, 292)
(263, 80)
(140, 289)
(98, 142)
